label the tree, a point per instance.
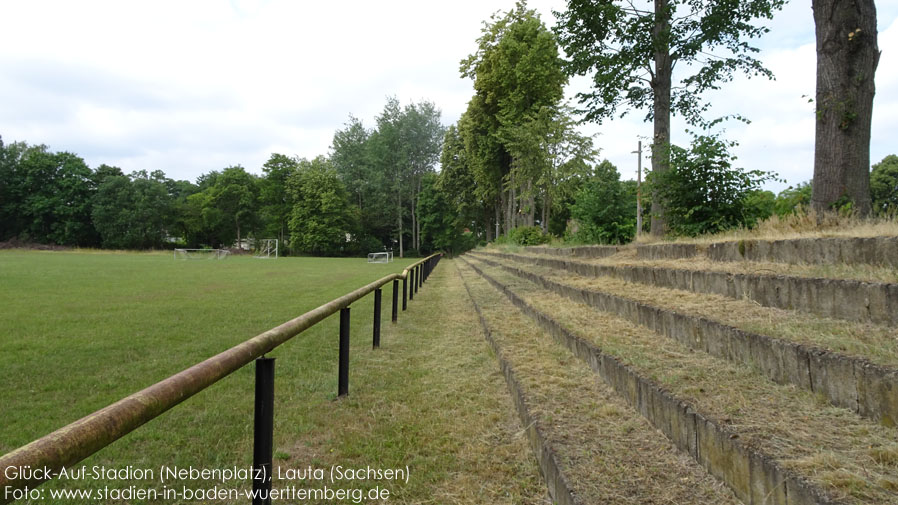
(273, 199)
(703, 191)
(53, 193)
(421, 138)
(632, 48)
(884, 185)
(456, 182)
(235, 195)
(387, 153)
(517, 72)
(793, 200)
(847, 57)
(605, 209)
(441, 226)
(322, 215)
(132, 212)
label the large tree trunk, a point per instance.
(847, 56)
(661, 83)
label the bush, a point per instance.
(702, 192)
(529, 235)
(605, 208)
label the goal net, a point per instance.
(380, 257)
(200, 254)
(266, 248)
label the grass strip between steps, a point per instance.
(608, 452)
(847, 381)
(853, 459)
(626, 256)
(875, 342)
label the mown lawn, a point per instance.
(81, 330)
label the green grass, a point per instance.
(82, 330)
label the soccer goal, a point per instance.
(200, 254)
(266, 248)
(380, 257)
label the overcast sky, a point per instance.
(192, 86)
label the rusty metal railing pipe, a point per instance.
(82, 438)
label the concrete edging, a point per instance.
(863, 387)
(851, 300)
(754, 477)
(556, 482)
(881, 251)
(586, 251)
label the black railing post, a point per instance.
(417, 278)
(343, 372)
(411, 287)
(395, 315)
(377, 296)
(404, 292)
(263, 431)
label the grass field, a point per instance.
(81, 330)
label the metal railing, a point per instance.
(82, 438)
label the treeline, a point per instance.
(514, 168)
(374, 191)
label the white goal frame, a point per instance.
(380, 257)
(265, 247)
(200, 254)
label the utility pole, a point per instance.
(638, 152)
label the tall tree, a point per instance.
(516, 71)
(387, 152)
(132, 212)
(235, 195)
(456, 182)
(632, 48)
(273, 199)
(54, 191)
(421, 135)
(322, 215)
(847, 57)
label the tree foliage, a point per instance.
(321, 216)
(884, 185)
(632, 48)
(605, 208)
(704, 192)
(517, 75)
(793, 200)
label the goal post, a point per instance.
(266, 248)
(380, 257)
(200, 254)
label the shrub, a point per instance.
(702, 191)
(529, 235)
(605, 208)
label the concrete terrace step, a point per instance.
(851, 382)
(880, 251)
(770, 443)
(845, 299)
(591, 446)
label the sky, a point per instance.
(190, 87)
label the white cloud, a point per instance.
(189, 87)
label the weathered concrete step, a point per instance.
(844, 299)
(854, 383)
(879, 251)
(587, 251)
(754, 477)
(632, 462)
